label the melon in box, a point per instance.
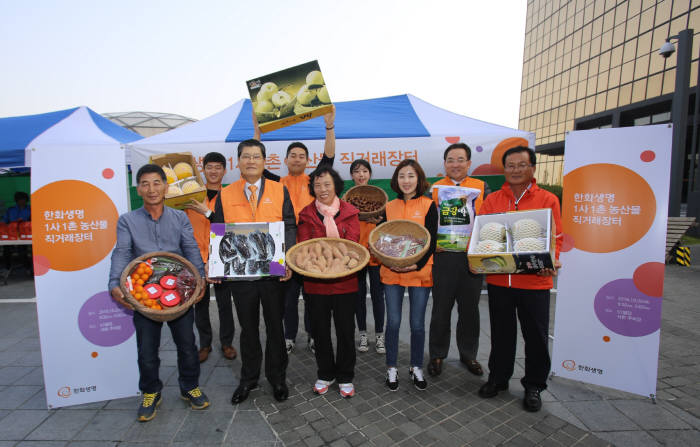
(513, 242)
(184, 180)
(249, 250)
(289, 96)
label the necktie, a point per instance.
(253, 199)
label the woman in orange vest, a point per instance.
(328, 216)
(410, 183)
(361, 172)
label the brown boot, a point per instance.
(229, 352)
(435, 367)
(204, 354)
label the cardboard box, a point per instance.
(510, 261)
(180, 200)
(289, 96)
(244, 251)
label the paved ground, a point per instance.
(448, 413)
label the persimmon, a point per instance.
(139, 282)
(144, 277)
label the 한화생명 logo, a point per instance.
(64, 392)
(569, 365)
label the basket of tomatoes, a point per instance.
(161, 285)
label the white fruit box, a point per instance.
(529, 244)
(178, 201)
(289, 96)
(247, 250)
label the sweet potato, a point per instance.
(337, 254)
(343, 249)
(346, 259)
(316, 247)
(353, 263)
(353, 255)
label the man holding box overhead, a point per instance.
(524, 294)
(452, 280)
(214, 167)
(254, 199)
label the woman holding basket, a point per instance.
(410, 183)
(328, 216)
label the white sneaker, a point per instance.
(321, 386)
(290, 345)
(392, 379)
(347, 390)
(379, 344)
(419, 381)
(363, 347)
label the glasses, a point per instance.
(456, 160)
(246, 157)
(518, 167)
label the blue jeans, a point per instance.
(418, 300)
(148, 343)
(376, 292)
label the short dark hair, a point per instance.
(214, 157)
(252, 142)
(360, 162)
(458, 146)
(19, 195)
(297, 144)
(422, 185)
(518, 149)
(149, 169)
(338, 183)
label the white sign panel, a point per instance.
(88, 343)
(610, 289)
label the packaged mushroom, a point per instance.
(289, 96)
(513, 242)
(250, 250)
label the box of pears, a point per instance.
(184, 180)
(289, 96)
(513, 242)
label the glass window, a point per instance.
(599, 7)
(642, 121)
(646, 20)
(595, 46)
(606, 41)
(641, 67)
(644, 43)
(581, 90)
(648, 4)
(661, 117)
(632, 28)
(621, 13)
(619, 34)
(573, 78)
(577, 38)
(588, 14)
(565, 78)
(634, 7)
(564, 95)
(663, 11)
(669, 84)
(611, 101)
(585, 51)
(625, 95)
(570, 113)
(654, 85)
(578, 20)
(630, 51)
(639, 90)
(580, 108)
(559, 64)
(693, 73)
(597, 29)
(656, 62)
(600, 102)
(614, 78)
(659, 37)
(575, 56)
(591, 85)
(604, 63)
(586, 33)
(627, 72)
(590, 105)
(583, 71)
(616, 57)
(694, 19)
(608, 21)
(678, 25)
(593, 65)
(572, 94)
(602, 81)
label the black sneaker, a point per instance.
(147, 410)
(532, 401)
(392, 379)
(491, 389)
(197, 399)
(416, 375)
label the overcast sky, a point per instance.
(193, 57)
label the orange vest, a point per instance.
(468, 182)
(298, 187)
(415, 209)
(237, 208)
(365, 229)
(200, 227)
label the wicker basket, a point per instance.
(353, 246)
(399, 227)
(368, 192)
(166, 314)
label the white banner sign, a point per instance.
(88, 344)
(384, 154)
(610, 289)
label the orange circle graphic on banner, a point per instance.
(649, 278)
(606, 207)
(74, 225)
(606, 339)
(502, 147)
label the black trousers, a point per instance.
(227, 326)
(453, 282)
(248, 296)
(532, 307)
(341, 308)
(291, 307)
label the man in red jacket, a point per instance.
(526, 294)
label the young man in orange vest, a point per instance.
(452, 280)
(526, 294)
(297, 183)
(254, 199)
(214, 165)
